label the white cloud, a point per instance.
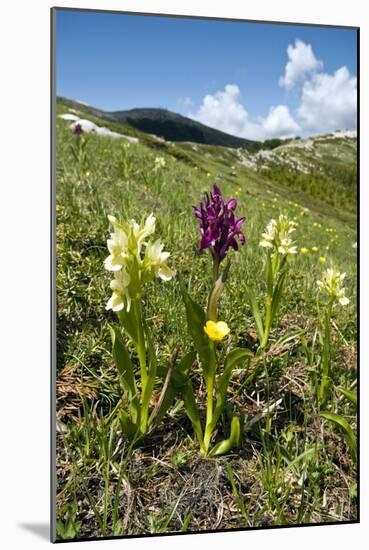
(185, 102)
(224, 111)
(301, 61)
(280, 123)
(328, 102)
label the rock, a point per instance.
(68, 116)
(89, 127)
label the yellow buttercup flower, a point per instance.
(304, 250)
(314, 249)
(216, 331)
(322, 259)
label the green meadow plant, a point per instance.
(219, 231)
(126, 162)
(134, 260)
(79, 147)
(279, 247)
(157, 173)
(330, 286)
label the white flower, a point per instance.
(277, 235)
(159, 163)
(141, 233)
(120, 296)
(156, 259)
(131, 268)
(118, 247)
(331, 283)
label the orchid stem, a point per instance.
(216, 263)
(210, 383)
(268, 321)
(141, 352)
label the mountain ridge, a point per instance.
(168, 125)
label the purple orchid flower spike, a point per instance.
(219, 228)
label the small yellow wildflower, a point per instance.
(237, 193)
(322, 259)
(209, 174)
(87, 174)
(304, 250)
(216, 331)
(314, 249)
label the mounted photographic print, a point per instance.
(204, 307)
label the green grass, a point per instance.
(293, 466)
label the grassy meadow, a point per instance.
(293, 466)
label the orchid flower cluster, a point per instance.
(134, 260)
(331, 285)
(220, 231)
(277, 241)
(277, 236)
(219, 228)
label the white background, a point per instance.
(25, 274)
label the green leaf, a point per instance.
(277, 294)
(351, 395)
(125, 369)
(178, 381)
(150, 380)
(346, 429)
(269, 274)
(224, 446)
(255, 311)
(192, 410)
(70, 528)
(216, 292)
(129, 322)
(181, 372)
(196, 321)
(305, 455)
(165, 405)
(233, 358)
(129, 428)
(326, 360)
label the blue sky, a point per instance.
(119, 61)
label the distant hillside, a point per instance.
(168, 125)
(175, 127)
(322, 168)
